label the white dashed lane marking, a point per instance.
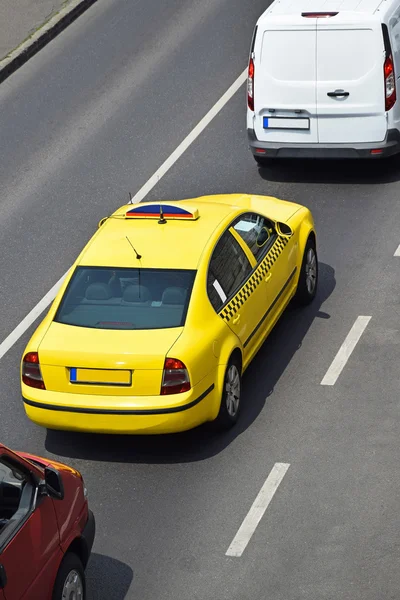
(257, 510)
(345, 350)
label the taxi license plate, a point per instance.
(100, 376)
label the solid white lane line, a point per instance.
(30, 318)
(189, 139)
(138, 197)
(397, 253)
(345, 350)
(257, 510)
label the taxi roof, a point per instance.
(177, 244)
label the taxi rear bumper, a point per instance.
(121, 414)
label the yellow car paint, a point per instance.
(204, 343)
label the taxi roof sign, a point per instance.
(163, 211)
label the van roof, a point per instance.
(296, 7)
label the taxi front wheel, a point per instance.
(308, 279)
(231, 395)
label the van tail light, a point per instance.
(175, 377)
(250, 85)
(390, 83)
(31, 374)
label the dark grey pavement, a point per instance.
(87, 120)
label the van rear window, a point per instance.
(107, 298)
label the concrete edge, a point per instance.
(42, 37)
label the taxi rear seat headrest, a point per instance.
(174, 295)
(137, 293)
(98, 291)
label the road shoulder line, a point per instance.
(60, 21)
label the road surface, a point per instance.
(91, 118)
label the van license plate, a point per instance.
(100, 376)
(286, 123)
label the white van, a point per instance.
(322, 80)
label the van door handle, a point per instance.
(338, 94)
(268, 277)
(236, 320)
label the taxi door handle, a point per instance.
(236, 320)
(268, 277)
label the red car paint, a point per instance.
(30, 560)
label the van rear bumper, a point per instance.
(390, 146)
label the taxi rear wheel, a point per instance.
(308, 280)
(231, 395)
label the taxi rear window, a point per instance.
(108, 298)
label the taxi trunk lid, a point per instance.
(84, 360)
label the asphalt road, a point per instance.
(90, 118)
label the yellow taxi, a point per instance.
(163, 311)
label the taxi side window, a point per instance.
(229, 268)
(257, 232)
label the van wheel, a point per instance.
(308, 280)
(70, 581)
(231, 395)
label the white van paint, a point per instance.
(319, 84)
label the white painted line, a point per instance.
(30, 318)
(138, 197)
(189, 139)
(257, 510)
(345, 350)
(397, 253)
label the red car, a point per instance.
(46, 529)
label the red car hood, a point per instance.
(46, 462)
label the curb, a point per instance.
(42, 37)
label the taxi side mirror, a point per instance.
(284, 230)
(263, 237)
(102, 221)
(54, 483)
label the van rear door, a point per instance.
(285, 81)
(350, 81)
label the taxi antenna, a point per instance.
(130, 198)
(138, 256)
(161, 220)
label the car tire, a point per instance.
(308, 279)
(231, 395)
(70, 579)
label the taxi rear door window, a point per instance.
(228, 270)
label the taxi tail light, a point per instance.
(31, 373)
(175, 377)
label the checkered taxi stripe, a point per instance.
(265, 265)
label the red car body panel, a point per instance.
(32, 558)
